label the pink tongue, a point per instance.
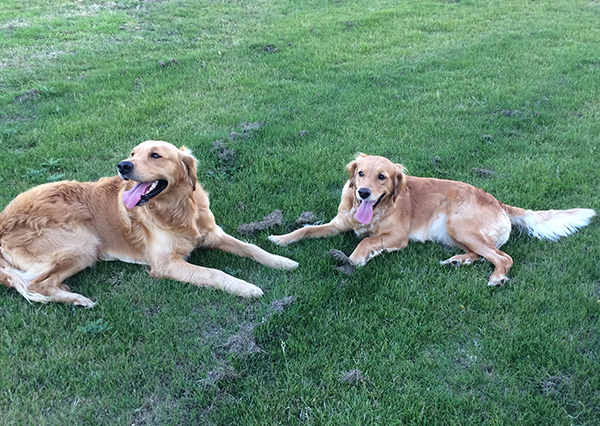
(132, 197)
(364, 214)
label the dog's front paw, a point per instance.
(358, 261)
(284, 263)
(249, 291)
(278, 239)
(83, 301)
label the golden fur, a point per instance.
(423, 209)
(55, 230)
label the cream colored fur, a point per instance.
(55, 230)
(424, 209)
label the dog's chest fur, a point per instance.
(364, 229)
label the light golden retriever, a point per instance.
(389, 208)
(155, 213)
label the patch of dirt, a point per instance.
(249, 127)
(269, 221)
(339, 256)
(487, 368)
(219, 374)
(165, 64)
(437, 160)
(270, 48)
(243, 342)
(278, 305)
(345, 269)
(30, 95)
(556, 387)
(483, 172)
(146, 414)
(236, 136)
(305, 218)
(510, 112)
(346, 266)
(487, 138)
(212, 332)
(226, 155)
(354, 377)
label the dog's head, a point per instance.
(375, 180)
(157, 167)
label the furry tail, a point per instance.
(14, 278)
(549, 224)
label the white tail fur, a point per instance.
(550, 224)
(19, 283)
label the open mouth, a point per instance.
(364, 213)
(378, 200)
(143, 192)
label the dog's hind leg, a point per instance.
(229, 244)
(478, 245)
(481, 233)
(461, 259)
(50, 283)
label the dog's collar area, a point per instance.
(153, 190)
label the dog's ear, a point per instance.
(189, 164)
(351, 167)
(399, 180)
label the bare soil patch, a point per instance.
(305, 218)
(483, 172)
(269, 221)
(346, 266)
(354, 377)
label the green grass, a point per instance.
(441, 86)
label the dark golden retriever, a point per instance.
(154, 213)
(389, 208)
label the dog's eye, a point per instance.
(361, 174)
(155, 155)
(381, 176)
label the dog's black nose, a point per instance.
(364, 193)
(125, 167)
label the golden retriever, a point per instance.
(155, 213)
(386, 206)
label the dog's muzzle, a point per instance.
(364, 193)
(125, 167)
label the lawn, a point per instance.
(275, 98)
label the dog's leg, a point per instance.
(313, 231)
(372, 246)
(229, 244)
(180, 270)
(476, 242)
(51, 283)
(483, 248)
(461, 259)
